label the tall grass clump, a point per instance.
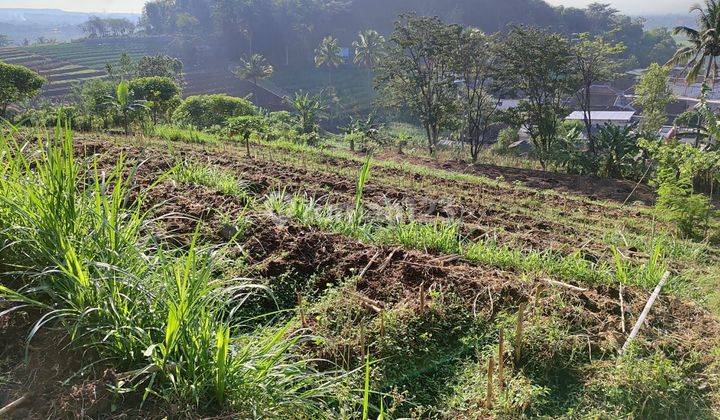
(182, 134)
(223, 181)
(76, 248)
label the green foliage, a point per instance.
(614, 389)
(369, 48)
(125, 106)
(678, 165)
(255, 68)
(210, 176)
(309, 110)
(17, 84)
(407, 82)
(183, 134)
(616, 155)
(161, 94)
(540, 64)
(701, 53)
(80, 256)
(653, 96)
(160, 66)
(205, 111)
(506, 137)
(245, 126)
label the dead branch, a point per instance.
(565, 285)
(14, 405)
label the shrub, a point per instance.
(161, 94)
(506, 137)
(205, 111)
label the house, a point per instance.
(602, 98)
(600, 118)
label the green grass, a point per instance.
(187, 135)
(210, 176)
(76, 249)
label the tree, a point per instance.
(127, 66)
(539, 64)
(475, 64)
(310, 110)
(205, 111)
(417, 72)
(704, 48)
(160, 66)
(329, 54)
(368, 48)
(594, 62)
(160, 94)
(255, 68)
(653, 95)
(123, 103)
(245, 126)
(17, 83)
(4, 40)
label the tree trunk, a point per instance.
(247, 145)
(429, 138)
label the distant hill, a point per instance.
(20, 24)
(669, 21)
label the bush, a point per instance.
(205, 111)
(506, 137)
(161, 93)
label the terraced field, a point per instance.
(436, 271)
(95, 54)
(60, 74)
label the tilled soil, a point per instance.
(274, 246)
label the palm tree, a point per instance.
(704, 48)
(124, 105)
(329, 54)
(255, 68)
(368, 48)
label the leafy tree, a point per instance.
(594, 62)
(652, 95)
(309, 109)
(205, 111)
(17, 83)
(255, 68)
(92, 99)
(417, 73)
(475, 64)
(704, 48)
(369, 48)
(124, 105)
(127, 66)
(160, 94)
(539, 64)
(245, 126)
(160, 66)
(329, 54)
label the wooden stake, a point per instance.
(501, 361)
(622, 309)
(489, 396)
(301, 310)
(519, 333)
(422, 297)
(646, 311)
(382, 323)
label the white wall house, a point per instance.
(600, 118)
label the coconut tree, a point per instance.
(329, 54)
(704, 43)
(255, 68)
(368, 48)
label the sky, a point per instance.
(636, 7)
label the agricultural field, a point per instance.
(95, 54)
(341, 284)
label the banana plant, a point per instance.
(124, 104)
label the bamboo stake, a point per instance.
(519, 333)
(501, 361)
(382, 323)
(300, 309)
(489, 396)
(622, 309)
(646, 311)
(14, 405)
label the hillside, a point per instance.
(442, 262)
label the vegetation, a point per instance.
(17, 84)
(206, 111)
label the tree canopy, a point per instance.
(17, 83)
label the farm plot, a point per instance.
(432, 274)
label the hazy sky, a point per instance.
(626, 6)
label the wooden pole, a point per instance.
(622, 309)
(646, 311)
(519, 333)
(501, 361)
(300, 309)
(422, 297)
(489, 396)
(14, 405)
